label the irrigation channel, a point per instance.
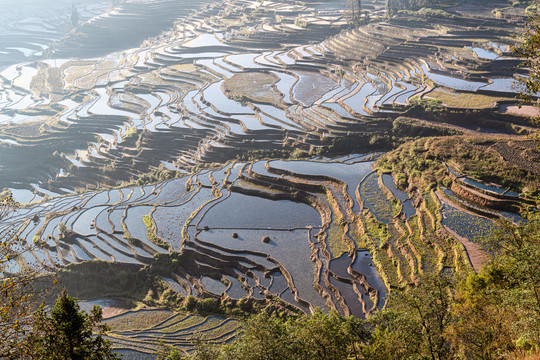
(78, 129)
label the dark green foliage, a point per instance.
(190, 303)
(210, 306)
(412, 128)
(159, 174)
(393, 6)
(516, 271)
(497, 311)
(422, 162)
(170, 353)
(167, 263)
(529, 51)
(71, 334)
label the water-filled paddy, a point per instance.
(350, 174)
(243, 211)
(407, 207)
(311, 86)
(502, 85)
(364, 265)
(356, 102)
(484, 54)
(251, 217)
(214, 95)
(453, 82)
(290, 248)
(33, 26)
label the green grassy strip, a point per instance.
(151, 231)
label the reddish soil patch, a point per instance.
(111, 311)
(476, 255)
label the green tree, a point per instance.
(416, 325)
(497, 311)
(68, 333)
(327, 336)
(481, 329)
(203, 351)
(19, 297)
(74, 18)
(62, 228)
(529, 51)
(355, 9)
(389, 8)
(265, 338)
(516, 271)
(169, 353)
(271, 337)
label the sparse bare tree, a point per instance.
(18, 296)
(389, 8)
(74, 18)
(354, 8)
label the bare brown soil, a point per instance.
(254, 86)
(523, 154)
(477, 256)
(525, 110)
(110, 311)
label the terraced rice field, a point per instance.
(106, 156)
(200, 213)
(170, 100)
(142, 332)
(311, 213)
(27, 29)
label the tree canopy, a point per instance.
(68, 333)
(529, 51)
(19, 299)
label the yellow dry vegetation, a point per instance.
(136, 320)
(464, 100)
(254, 87)
(73, 72)
(184, 67)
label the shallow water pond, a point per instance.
(290, 248)
(483, 53)
(311, 86)
(241, 211)
(356, 102)
(214, 95)
(453, 82)
(351, 174)
(364, 265)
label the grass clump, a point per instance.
(108, 279)
(151, 232)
